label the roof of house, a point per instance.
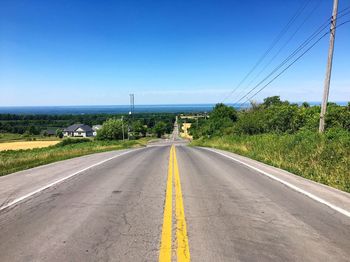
(96, 127)
(49, 131)
(74, 127)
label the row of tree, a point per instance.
(140, 123)
(116, 129)
(271, 116)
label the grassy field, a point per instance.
(10, 137)
(26, 145)
(322, 158)
(12, 161)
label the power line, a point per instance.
(295, 52)
(285, 69)
(286, 43)
(276, 40)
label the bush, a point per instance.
(112, 129)
(221, 118)
(59, 133)
(70, 141)
(160, 128)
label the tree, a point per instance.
(220, 118)
(160, 128)
(111, 130)
(32, 130)
(222, 111)
(59, 133)
(272, 101)
(138, 128)
(305, 104)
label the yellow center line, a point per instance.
(183, 251)
(165, 247)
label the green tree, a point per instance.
(32, 130)
(59, 133)
(222, 111)
(221, 118)
(111, 130)
(305, 104)
(273, 101)
(160, 128)
(138, 128)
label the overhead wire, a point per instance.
(273, 44)
(308, 16)
(294, 53)
(294, 61)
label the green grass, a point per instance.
(13, 161)
(321, 158)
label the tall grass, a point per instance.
(321, 158)
(12, 161)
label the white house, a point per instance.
(78, 130)
(95, 129)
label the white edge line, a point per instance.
(295, 188)
(17, 200)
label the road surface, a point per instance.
(122, 206)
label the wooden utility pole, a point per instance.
(329, 67)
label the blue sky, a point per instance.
(97, 52)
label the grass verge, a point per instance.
(13, 161)
(321, 158)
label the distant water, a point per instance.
(108, 109)
(115, 109)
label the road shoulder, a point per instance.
(332, 197)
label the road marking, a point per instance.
(17, 200)
(183, 251)
(182, 248)
(165, 247)
(295, 188)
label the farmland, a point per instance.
(12, 160)
(30, 140)
(26, 145)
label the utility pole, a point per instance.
(329, 67)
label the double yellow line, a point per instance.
(182, 248)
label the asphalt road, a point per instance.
(114, 211)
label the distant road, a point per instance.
(121, 206)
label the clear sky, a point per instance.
(84, 52)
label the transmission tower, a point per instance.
(132, 104)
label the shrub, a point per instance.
(70, 141)
(112, 129)
(160, 128)
(59, 133)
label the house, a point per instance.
(78, 130)
(49, 132)
(95, 129)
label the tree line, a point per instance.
(271, 116)
(138, 124)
